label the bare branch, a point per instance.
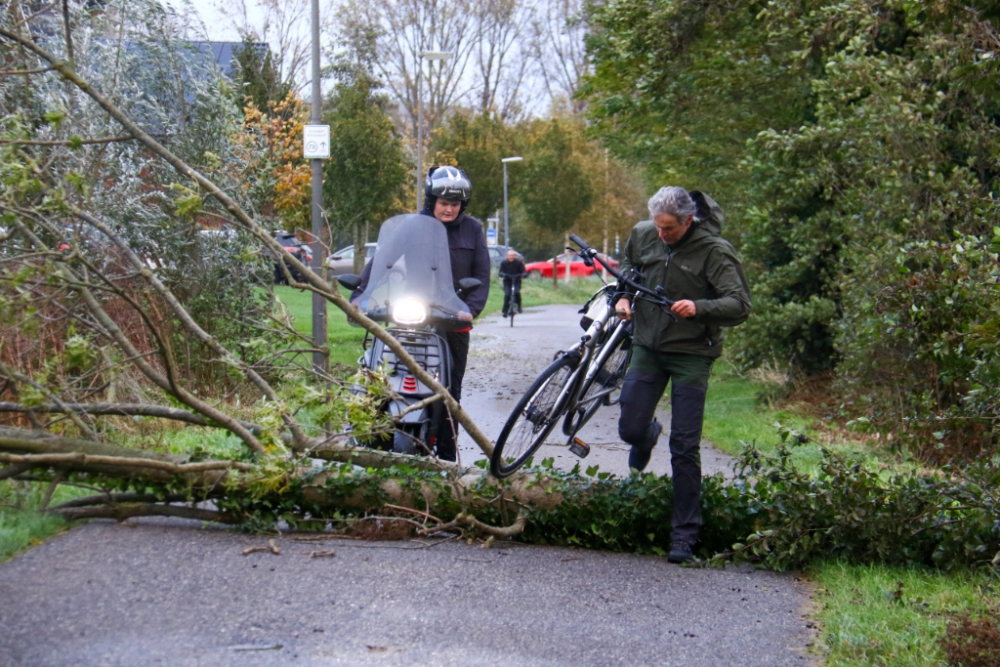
(121, 409)
(30, 142)
(129, 511)
(118, 498)
(81, 461)
(40, 70)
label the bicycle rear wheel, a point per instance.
(532, 419)
(605, 386)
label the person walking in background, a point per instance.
(511, 272)
(701, 272)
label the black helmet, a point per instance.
(449, 183)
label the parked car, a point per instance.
(342, 261)
(498, 253)
(301, 251)
(577, 268)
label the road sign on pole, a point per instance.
(316, 142)
(491, 236)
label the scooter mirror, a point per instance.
(469, 284)
(350, 281)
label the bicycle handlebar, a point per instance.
(590, 254)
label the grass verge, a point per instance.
(868, 615)
(735, 416)
(892, 616)
(21, 525)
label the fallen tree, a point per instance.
(102, 346)
(73, 271)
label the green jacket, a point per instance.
(702, 267)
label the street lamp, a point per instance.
(506, 224)
(429, 55)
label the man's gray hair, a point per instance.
(672, 200)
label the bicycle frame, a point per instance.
(596, 337)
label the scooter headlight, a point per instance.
(408, 311)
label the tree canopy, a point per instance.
(855, 146)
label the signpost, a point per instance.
(491, 230)
(316, 142)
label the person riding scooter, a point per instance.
(446, 196)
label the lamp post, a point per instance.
(429, 55)
(321, 359)
(506, 217)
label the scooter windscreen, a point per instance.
(410, 280)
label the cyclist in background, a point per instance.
(512, 271)
(701, 272)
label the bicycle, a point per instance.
(514, 301)
(580, 380)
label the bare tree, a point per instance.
(284, 24)
(557, 41)
(390, 35)
(502, 54)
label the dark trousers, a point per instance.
(644, 385)
(459, 344)
(511, 294)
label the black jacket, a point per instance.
(469, 259)
(512, 270)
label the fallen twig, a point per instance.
(271, 546)
(330, 553)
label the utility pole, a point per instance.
(321, 359)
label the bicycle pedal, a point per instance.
(580, 448)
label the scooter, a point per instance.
(410, 289)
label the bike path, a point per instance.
(505, 360)
(161, 592)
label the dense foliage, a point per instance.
(863, 196)
(365, 178)
(771, 514)
(58, 150)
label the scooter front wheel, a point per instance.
(408, 440)
(532, 419)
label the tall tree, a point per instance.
(365, 177)
(555, 189)
(477, 143)
(396, 32)
(502, 55)
(680, 87)
(557, 40)
(283, 25)
(257, 77)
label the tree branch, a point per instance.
(129, 511)
(31, 142)
(315, 282)
(81, 461)
(121, 409)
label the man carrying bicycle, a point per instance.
(511, 271)
(701, 272)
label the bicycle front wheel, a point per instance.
(532, 419)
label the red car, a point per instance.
(576, 267)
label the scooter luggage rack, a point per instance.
(424, 346)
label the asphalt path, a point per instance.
(170, 592)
